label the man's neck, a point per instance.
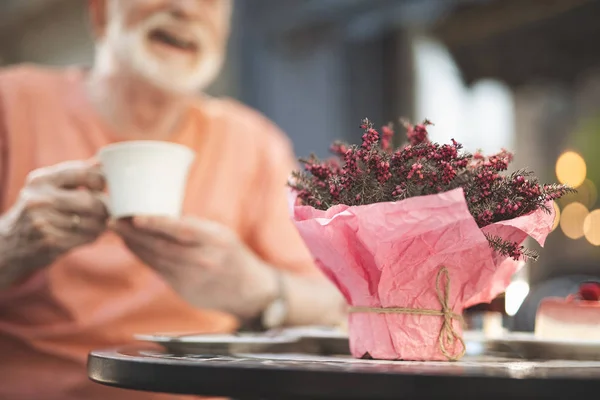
(134, 108)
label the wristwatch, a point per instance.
(276, 313)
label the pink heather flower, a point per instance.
(417, 134)
(386, 137)
(416, 169)
(370, 138)
(375, 172)
(338, 148)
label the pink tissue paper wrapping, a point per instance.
(389, 255)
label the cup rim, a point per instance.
(143, 144)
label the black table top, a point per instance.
(313, 377)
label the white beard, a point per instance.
(130, 48)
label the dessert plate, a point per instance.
(207, 344)
(527, 346)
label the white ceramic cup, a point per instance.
(146, 177)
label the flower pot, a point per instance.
(409, 268)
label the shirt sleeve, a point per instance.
(272, 234)
(3, 158)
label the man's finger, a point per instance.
(71, 174)
(183, 231)
(130, 234)
(123, 227)
(157, 262)
(81, 202)
(150, 244)
(78, 225)
(58, 231)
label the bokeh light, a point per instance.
(591, 227)
(587, 193)
(571, 169)
(556, 215)
(571, 220)
(516, 293)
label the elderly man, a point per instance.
(72, 280)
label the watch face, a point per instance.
(275, 315)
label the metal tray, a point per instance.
(206, 344)
(527, 346)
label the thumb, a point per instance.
(105, 199)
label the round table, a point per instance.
(281, 376)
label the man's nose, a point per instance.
(187, 9)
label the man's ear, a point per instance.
(98, 10)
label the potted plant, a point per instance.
(413, 235)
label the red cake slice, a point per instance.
(574, 318)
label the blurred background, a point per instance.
(518, 74)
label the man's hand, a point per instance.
(60, 208)
(205, 262)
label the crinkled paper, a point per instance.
(389, 254)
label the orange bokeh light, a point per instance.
(571, 169)
(591, 227)
(572, 219)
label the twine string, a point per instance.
(448, 335)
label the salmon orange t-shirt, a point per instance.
(100, 295)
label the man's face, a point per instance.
(176, 44)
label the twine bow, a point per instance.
(448, 334)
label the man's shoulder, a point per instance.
(27, 77)
(244, 121)
(29, 72)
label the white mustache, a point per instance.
(194, 31)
